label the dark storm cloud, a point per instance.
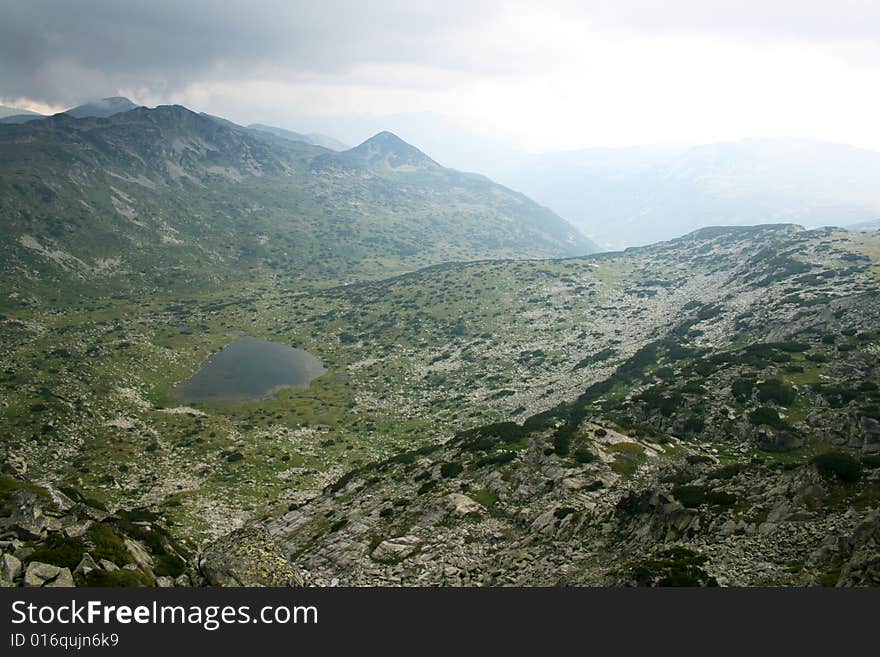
(64, 52)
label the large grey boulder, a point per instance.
(10, 567)
(396, 549)
(247, 557)
(75, 527)
(141, 557)
(86, 565)
(47, 575)
(462, 504)
(63, 579)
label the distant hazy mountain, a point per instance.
(17, 115)
(102, 108)
(314, 138)
(5, 111)
(632, 196)
(865, 226)
(13, 119)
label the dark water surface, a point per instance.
(250, 368)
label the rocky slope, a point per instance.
(51, 537)
(58, 538)
(702, 411)
(740, 447)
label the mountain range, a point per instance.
(99, 108)
(631, 196)
(163, 196)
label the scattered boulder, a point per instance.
(778, 441)
(462, 504)
(64, 579)
(10, 568)
(76, 527)
(27, 518)
(396, 549)
(108, 565)
(140, 555)
(85, 566)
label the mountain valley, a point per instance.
(501, 405)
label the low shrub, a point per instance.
(496, 459)
(693, 496)
(451, 470)
(768, 416)
(59, 550)
(838, 465)
(584, 455)
(116, 578)
(675, 567)
(742, 389)
(776, 390)
(726, 472)
(108, 545)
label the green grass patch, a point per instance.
(485, 497)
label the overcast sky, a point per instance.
(538, 76)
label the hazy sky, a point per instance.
(537, 75)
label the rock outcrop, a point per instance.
(50, 538)
(247, 557)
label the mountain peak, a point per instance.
(386, 136)
(385, 150)
(102, 108)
